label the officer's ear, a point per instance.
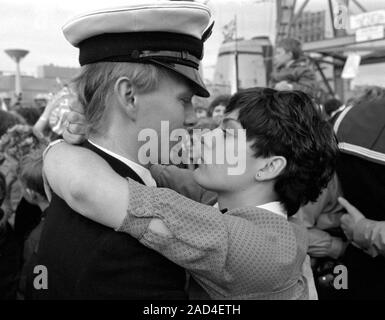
(125, 95)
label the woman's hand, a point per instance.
(76, 130)
(349, 220)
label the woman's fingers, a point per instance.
(76, 117)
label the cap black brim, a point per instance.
(191, 74)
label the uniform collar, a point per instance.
(141, 171)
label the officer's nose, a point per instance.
(190, 118)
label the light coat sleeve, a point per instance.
(370, 236)
(199, 239)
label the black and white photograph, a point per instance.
(192, 155)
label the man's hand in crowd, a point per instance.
(283, 85)
(76, 127)
(350, 219)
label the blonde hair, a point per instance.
(96, 81)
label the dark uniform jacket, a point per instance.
(361, 171)
(299, 73)
(86, 260)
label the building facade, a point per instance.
(50, 79)
(251, 69)
(310, 26)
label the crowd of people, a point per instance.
(311, 197)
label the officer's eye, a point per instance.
(186, 100)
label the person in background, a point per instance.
(332, 107)
(10, 252)
(368, 234)
(361, 171)
(326, 240)
(200, 107)
(14, 145)
(200, 112)
(217, 108)
(7, 120)
(31, 179)
(361, 180)
(292, 70)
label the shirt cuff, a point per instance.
(140, 211)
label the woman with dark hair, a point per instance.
(252, 250)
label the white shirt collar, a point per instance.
(141, 171)
(275, 207)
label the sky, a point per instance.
(35, 25)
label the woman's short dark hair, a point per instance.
(289, 124)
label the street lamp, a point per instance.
(16, 55)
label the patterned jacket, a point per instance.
(246, 253)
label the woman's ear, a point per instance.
(125, 94)
(272, 169)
